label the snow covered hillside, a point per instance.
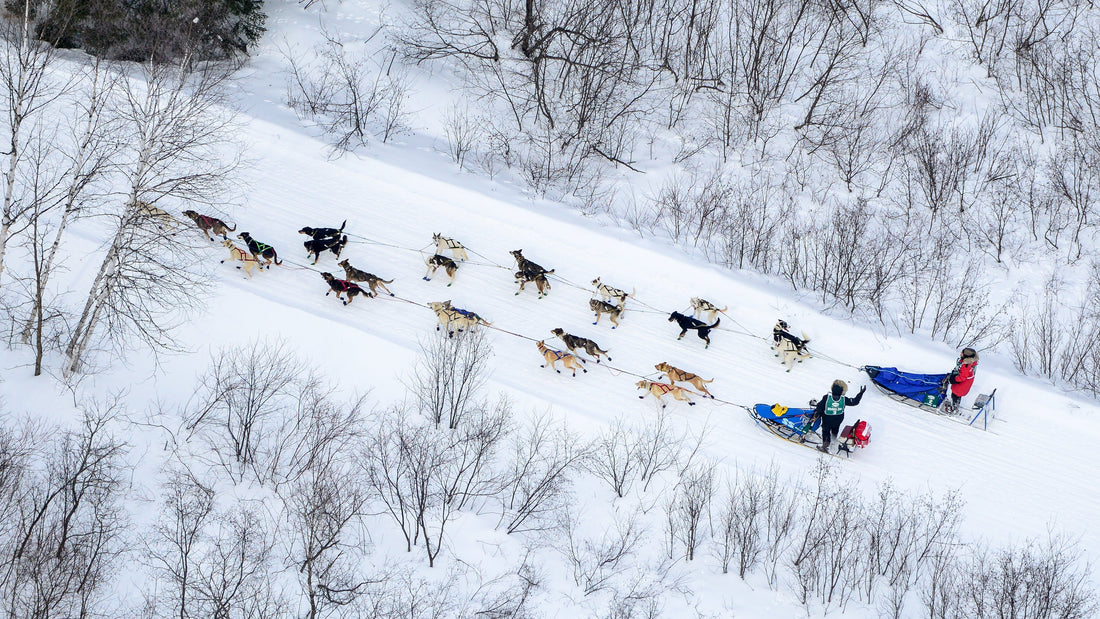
(1022, 482)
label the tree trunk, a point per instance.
(82, 333)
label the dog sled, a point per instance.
(924, 391)
(928, 392)
(800, 426)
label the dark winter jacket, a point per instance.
(820, 408)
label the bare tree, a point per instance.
(233, 577)
(598, 562)
(29, 86)
(88, 159)
(322, 507)
(615, 458)
(449, 375)
(174, 548)
(689, 509)
(64, 531)
(544, 457)
(176, 130)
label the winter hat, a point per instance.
(839, 388)
(969, 355)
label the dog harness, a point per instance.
(466, 313)
(451, 243)
(344, 284)
(663, 387)
(206, 221)
(262, 247)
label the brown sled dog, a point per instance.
(355, 275)
(658, 390)
(573, 342)
(601, 308)
(440, 260)
(522, 277)
(236, 253)
(676, 374)
(553, 356)
(340, 286)
(207, 223)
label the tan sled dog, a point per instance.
(236, 253)
(553, 356)
(702, 307)
(454, 319)
(658, 390)
(148, 210)
(458, 250)
(676, 374)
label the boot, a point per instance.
(824, 448)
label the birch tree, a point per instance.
(87, 161)
(176, 136)
(27, 89)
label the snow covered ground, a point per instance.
(1030, 471)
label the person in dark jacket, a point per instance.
(831, 410)
(963, 377)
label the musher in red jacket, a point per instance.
(963, 376)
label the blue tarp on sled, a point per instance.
(794, 424)
(921, 390)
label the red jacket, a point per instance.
(960, 385)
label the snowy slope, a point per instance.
(1025, 473)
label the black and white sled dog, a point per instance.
(701, 308)
(789, 348)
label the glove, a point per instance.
(862, 389)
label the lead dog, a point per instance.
(355, 275)
(789, 348)
(522, 277)
(702, 306)
(610, 292)
(676, 374)
(573, 342)
(553, 356)
(207, 223)
(459, 319)
(658, 390)
(316, 247)
(148, 210)
(458, 250)
(701, 328)
(448, 265)
(260, 250)
(601, 308)
(323, 233)
(236, 253)
(341, 286)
